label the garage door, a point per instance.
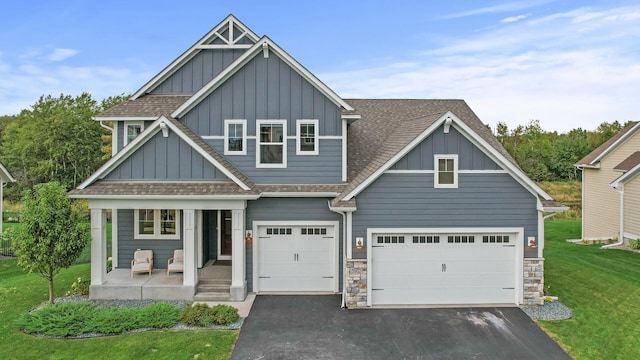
(296, 258)
(444, 268)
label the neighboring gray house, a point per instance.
(237, 152)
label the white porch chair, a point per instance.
(142, 262)
(176, 263)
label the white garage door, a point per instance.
(296, 258)
(445, 268)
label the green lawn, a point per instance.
(20, 292)
(602, 288)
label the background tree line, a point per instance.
(547, 155)
(57, 140)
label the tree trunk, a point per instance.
(51, 288)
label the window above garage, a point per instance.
(446, 171)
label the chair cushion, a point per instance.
(142, 256)
(140, 267)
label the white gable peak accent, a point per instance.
(230, 33)
(234, 67)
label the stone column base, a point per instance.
(356, 284)
(533, 281)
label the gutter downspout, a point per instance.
(105, 126)
(621, 236)
(343, 304)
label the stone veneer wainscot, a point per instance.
(533, 281)
(356, 283)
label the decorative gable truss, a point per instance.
(228, 34)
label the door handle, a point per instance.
(444, 267)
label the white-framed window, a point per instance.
(235, 137)
(307, 137)
(446, 171)
(271, 149)
(131, 130)
(156, 224)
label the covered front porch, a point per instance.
(201, 272)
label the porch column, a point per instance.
(238, 278)
(190, 275)
(98, 246)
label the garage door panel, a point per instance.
(455, 272)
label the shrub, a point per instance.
(80, 287)
(160, 315)
(634, 243)
(63, 319)
(205, 316)
(109, 264)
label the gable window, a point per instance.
(132, 130)
(235, 137)
(446, 171)
(307, 137)
(271, 149)
(156, 224)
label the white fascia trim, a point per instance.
(494, 155)
(626, 177)
(344, 150)
(142, 139)
(300, 194)
(228, 122)
(243, 60)
(256, 238)
(617, 143)
(125, 118)
(397, 156)
(5, 175)
(285, 138)
(316, 131)
(519, 243)
(220, 46)
(165, 197)
(420, 171)
(351, 117)
(179, 203)
(596, 166)
(191, 52)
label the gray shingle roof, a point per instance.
(159, 188)
(629, 163)
(146, 106)
(589, 159)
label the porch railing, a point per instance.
(5, 245)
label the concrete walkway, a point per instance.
(315, 327)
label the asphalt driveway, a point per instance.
(314, 327)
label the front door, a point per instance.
(224, 248)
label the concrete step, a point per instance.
(212, 296)
(213, 287)
(214, 281)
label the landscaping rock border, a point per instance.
(551, 310)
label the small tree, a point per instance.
(50, 238)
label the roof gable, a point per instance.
(230, 33)
(5, 176)
(165, 124)
(602, 151)
(266, 47)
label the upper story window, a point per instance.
(271, 144)
(235, 137)
(156, 224)
(131, 130)
(307, 137)
(446, 171)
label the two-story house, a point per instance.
(236, 152)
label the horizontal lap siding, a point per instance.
(326, 167)
(289, 209)
(410, 201)
(127, 245)
(632, 207)
(198, 71)
(168, 158)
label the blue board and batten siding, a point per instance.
(169, 158)
(198, 71)
(127, 245)
(120, 131)
(409, 200)
(289, 209)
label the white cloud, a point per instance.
(506, 7)
(513, 19)
(572, 69)
(61, 54)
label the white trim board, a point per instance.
(459, 171)
(336, 235)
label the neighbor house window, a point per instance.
(307, 137)
(235, 137)
(272, 150)
(157, 224)
(446, 171)
(131, 130)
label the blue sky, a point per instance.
(567, 63)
